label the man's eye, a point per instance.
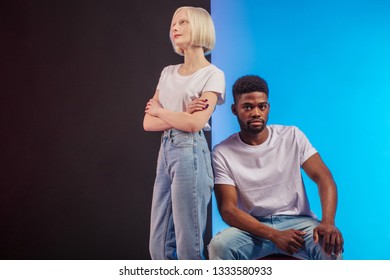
(263, 107)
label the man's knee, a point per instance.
(217, 249)
(315, 251)
(227, 245)
(320, 254)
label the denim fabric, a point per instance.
(182, 191)
(235, 244)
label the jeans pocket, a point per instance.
(182, 140)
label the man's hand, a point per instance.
(331, 238)
(289, 240)
(197, 105)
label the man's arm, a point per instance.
(288, 240)
(316, 169)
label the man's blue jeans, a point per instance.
(235, 244)
(182, 192)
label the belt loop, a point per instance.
(167, 133)
(170, 134)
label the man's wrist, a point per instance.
(327, 221)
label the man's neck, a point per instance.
(254, 139)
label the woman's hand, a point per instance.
(197, 105)
(152, 107)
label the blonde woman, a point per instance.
(184, 177)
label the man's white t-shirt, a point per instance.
(177, 91)
(267, 176)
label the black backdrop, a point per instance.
(77, 169)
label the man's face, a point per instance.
(252, 111)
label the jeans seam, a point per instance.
(195, 199)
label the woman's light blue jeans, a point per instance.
(182, 192)
(235, 244)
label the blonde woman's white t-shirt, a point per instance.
(268, 176)
(177, 91)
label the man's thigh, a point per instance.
(233, 243)
(311, 250)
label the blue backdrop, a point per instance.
(327, 64)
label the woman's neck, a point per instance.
(194, 60)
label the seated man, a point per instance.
(259, 187)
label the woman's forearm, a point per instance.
(155, 124)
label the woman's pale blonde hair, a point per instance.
(202, 29)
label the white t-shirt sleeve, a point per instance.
(162, 78)
(216, 83)
(305, 147)
(222, 174)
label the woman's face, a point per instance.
(180, 30)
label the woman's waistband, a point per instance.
(174, 132)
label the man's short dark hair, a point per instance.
(248, 84)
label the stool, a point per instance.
(278, 257)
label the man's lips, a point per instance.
(256, 122)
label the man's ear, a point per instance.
(234, 109)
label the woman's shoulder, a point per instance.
(170, 68)
(215, 68)
(212, 71)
